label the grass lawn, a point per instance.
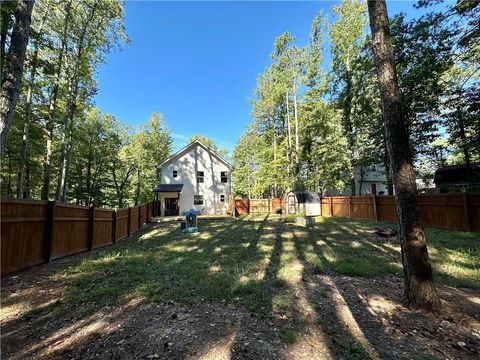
(301, 283)
(246, 258)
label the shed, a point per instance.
(303, 203)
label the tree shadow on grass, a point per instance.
(246, 288)
(165, 267)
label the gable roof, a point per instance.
(188, 147)
(306, 197)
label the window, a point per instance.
(222, 198)
(200, 176)
(175, 173)
(373, 168)
(223, 176)
(198, 200)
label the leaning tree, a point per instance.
(419, 290)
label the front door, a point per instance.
(171, 207)
(374, 189)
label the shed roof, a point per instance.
(168, 188)
(306, 196)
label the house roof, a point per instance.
(191, 145)
(458, 174)
(168, 188)
(306, 196)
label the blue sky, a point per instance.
(197, 62)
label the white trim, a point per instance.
(159, 166)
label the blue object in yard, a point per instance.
(191, 221)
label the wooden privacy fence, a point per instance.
(259, 206)
(445, 211)
(34, 232)
(460, 211)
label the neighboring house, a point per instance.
(194, 178)
(370, 180)
(455, 178)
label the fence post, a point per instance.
(465, 209)
(114, 224)
(375, 207)
(91, 223)
(331, 206)
(49, 230)
(350, 206)
(129, 227)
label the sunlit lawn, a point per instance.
(258, 261)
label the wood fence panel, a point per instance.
(122, 223)
(33, 231)
(279, 203)
(242, 206)
(386, 210)
(362, 207)
(444, 211)
(134, 219)
(143, 213)
(340, 206)
(473, 208)
(103, 227)
(260, 206)
(23, 234)
(71, 230)
(325, 206)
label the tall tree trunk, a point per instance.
(70, 111)
(13, 67)
(27, 182)
(137, 192)
(3, 42)
(297, 145)
(89, 178)
(47, 164)
(274, 135)
(386, 164)
(62, 170)
(419, 288)
(28, 109)
(289, 139)
(347, 123)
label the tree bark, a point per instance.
(47, 164)
(386, 163)
(419, 290)
(137, 192)
(14, 60)
(347, 123)
(297, 145)
(289, 140)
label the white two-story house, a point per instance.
(194, 178)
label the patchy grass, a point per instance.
(289, 336)
(253, 258)
(283, 281)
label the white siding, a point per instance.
(187, 163)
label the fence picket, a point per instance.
(36, 231)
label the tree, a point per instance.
(419, 290)
(12, 70)
(347, 36)
(205, 140)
